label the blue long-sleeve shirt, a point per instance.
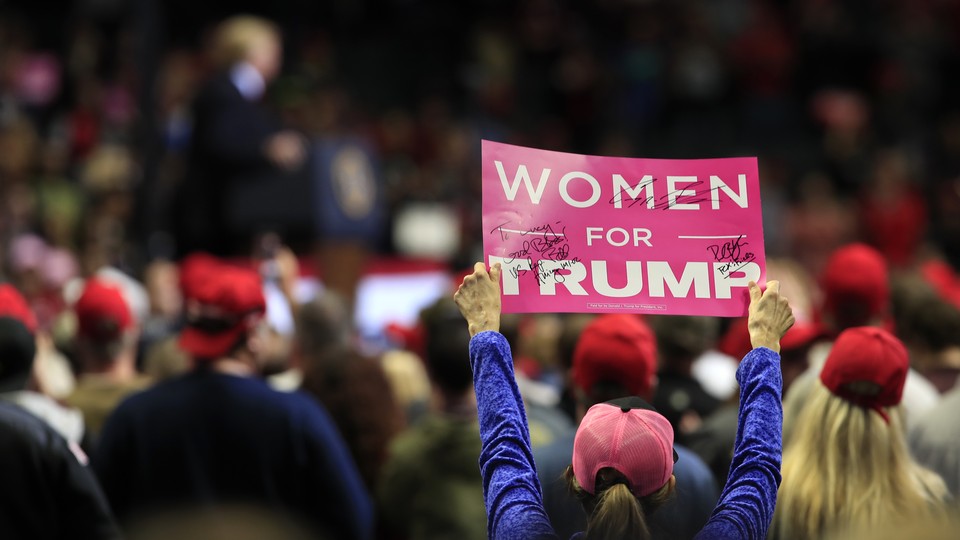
(511, 488)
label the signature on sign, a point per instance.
(732, 254)
(543, 242)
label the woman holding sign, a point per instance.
(623, 452)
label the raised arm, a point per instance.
(511, 489)
(747, 502)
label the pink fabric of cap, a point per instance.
(636, 442)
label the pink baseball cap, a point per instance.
(628, 435)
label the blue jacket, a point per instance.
(512, 490)
(208, 438)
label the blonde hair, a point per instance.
(235, 38)
(846, 468)
(614, 512)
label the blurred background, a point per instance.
(853, 108)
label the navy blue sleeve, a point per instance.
(85, 512)
(750, 494)
(511, 489)
(335, 473)
(112, 461)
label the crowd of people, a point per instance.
(168, 366)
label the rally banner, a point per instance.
(592, 234)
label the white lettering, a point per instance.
(694, 273)
(510, 273)
(660, 278)
(673, 193)
(717, 185)
(522, 176)
(641, 235)
(622, 232)
(620, 185)
(601, 280)
(724, 280)
(553, 272)
(565, 195)
(591, 236)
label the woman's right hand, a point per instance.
(769, 316)
(479, 299)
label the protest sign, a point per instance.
(578, 233)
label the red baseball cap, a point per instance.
(867, 366)
(855, 281)
(14, 306)
(618, 348)
(102, 313)
(228, 301)
(630, 436)
(736, 341)
(193, 271)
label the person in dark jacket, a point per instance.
(46, 490)
(47, 493)
(235, 139)
(219, 435)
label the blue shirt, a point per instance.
(511, 488)
(208, 438)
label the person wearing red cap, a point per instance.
(856, 292)
(106, 349)
(47, 490)
(846, 465)
(616, 355)
(623, 453)
(18, 332)
(219, 434)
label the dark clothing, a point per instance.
(207, 438)
(226, 148)
(713, 440)
(430, 489)
(512, 490)
(44, 490)
(678, 395)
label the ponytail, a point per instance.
(614, 512)
(617, 515)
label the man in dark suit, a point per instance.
(235, 140)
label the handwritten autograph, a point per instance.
(668, 200)
(545, 243)
(732, 254)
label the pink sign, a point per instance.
(606, 234)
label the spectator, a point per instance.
(856, 292)
(431, 487)
(352, 387)
(233, 139)
(680, 397)
(16, 365)
(618, 487)
(935, 440)
(929, 327)
(846, 465)
(615, 356)
(47, 490)
(106, 348)
(220, 434)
